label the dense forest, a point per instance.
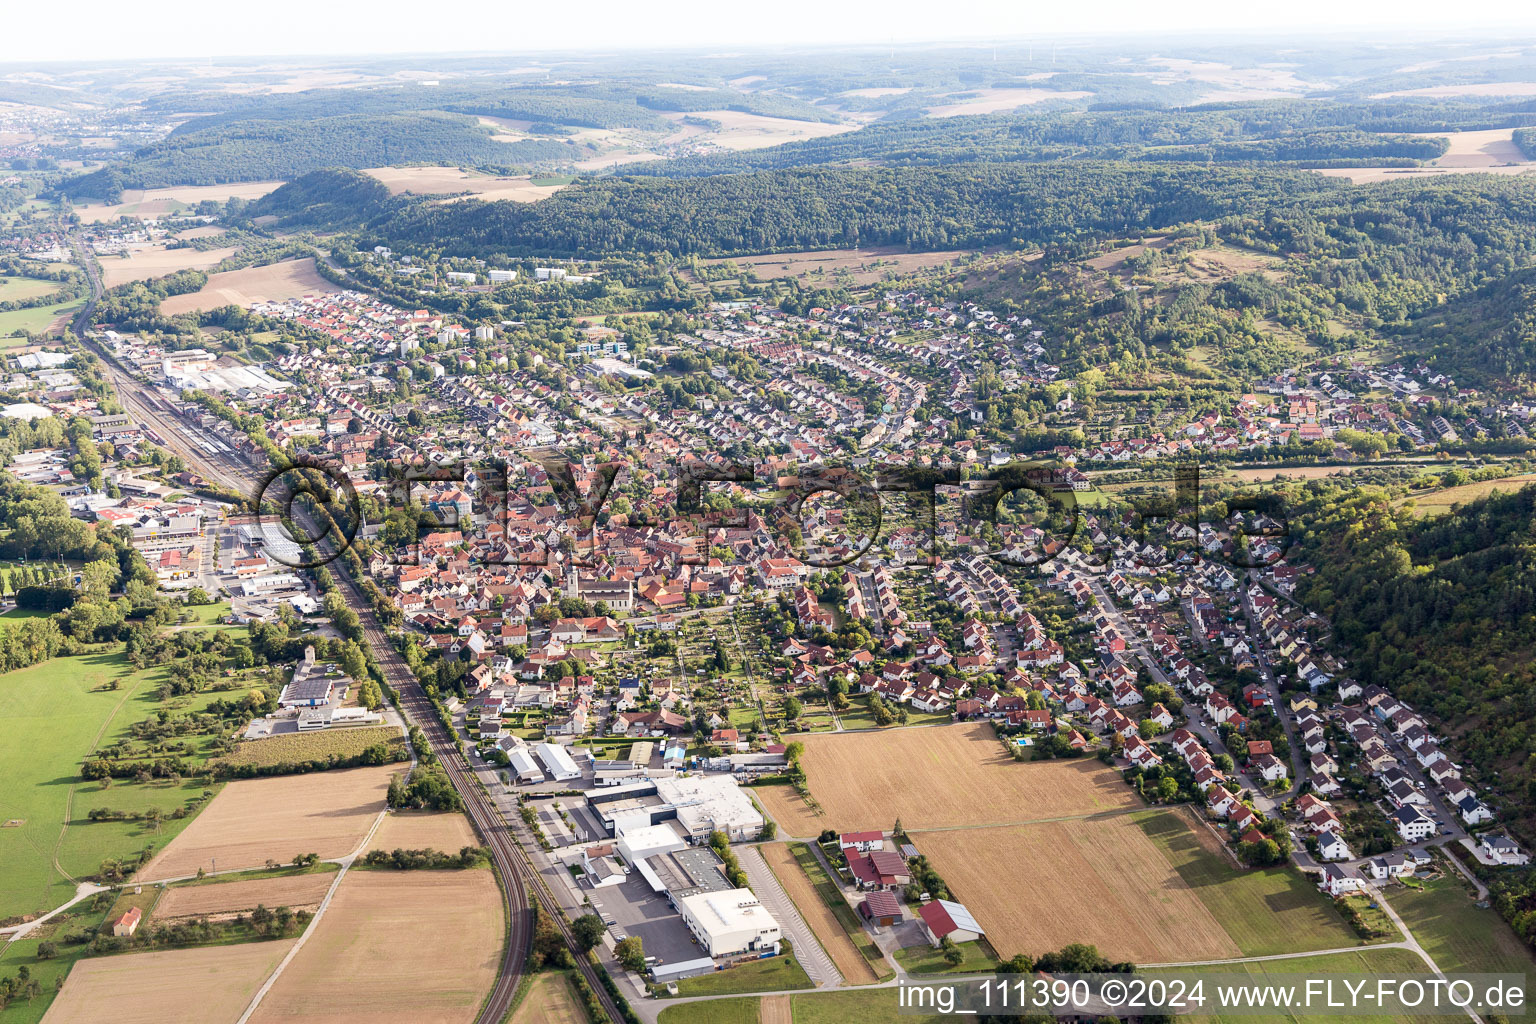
(1276, 130)
(1500, 317)
(1442, 612)
(1389, 254)
(918, 208)
(267, 150)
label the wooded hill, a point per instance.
(1441, 612)
(265, 150)
(920, 208)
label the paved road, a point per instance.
(808, 951)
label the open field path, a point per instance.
(314, 922)
(83, 890)
(69, 800)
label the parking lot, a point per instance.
(633, 909)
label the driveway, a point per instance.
(772, 895)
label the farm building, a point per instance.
(730, 922)
(128, 923)
(879, 869)
(943, 919)
(861, 841)
(880, 909)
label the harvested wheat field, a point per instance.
(301, 892)
(775, 1010)
(255, 820)
(1035, 888)
(157, 261)
(848, 960)
(947, 775)
(161, 202)
(421, 830)
(287, 280)
(794, 816)
(335, 979)
(424, 181)
(189, 986)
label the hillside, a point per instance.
(1441, 612)
(1501, 316)
(917, 208)
(329, 198)
(256, 150)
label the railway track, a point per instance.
(521, 882)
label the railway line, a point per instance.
(521, 882)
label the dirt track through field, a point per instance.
(189, 986)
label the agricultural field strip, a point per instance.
(314, 922)
(818, 917)
(303, 890)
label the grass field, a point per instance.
(716, 1011)
(938, 777)
(830, 932)
(296, 891)
(1438, 503)
(290, 748)
(52, 716)
(13, 287)
(772, 975)
(189, 986)
(855, 1007)
(549, 999)
(866, 266)
(1372, 962)
(34, 320)
(254, 820)
(1275, 910)
(927, 960)
(448, 922)
(1458, 934)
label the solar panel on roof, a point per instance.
(308, 689)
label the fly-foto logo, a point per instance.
(318, 504)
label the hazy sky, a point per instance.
(98, 29)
